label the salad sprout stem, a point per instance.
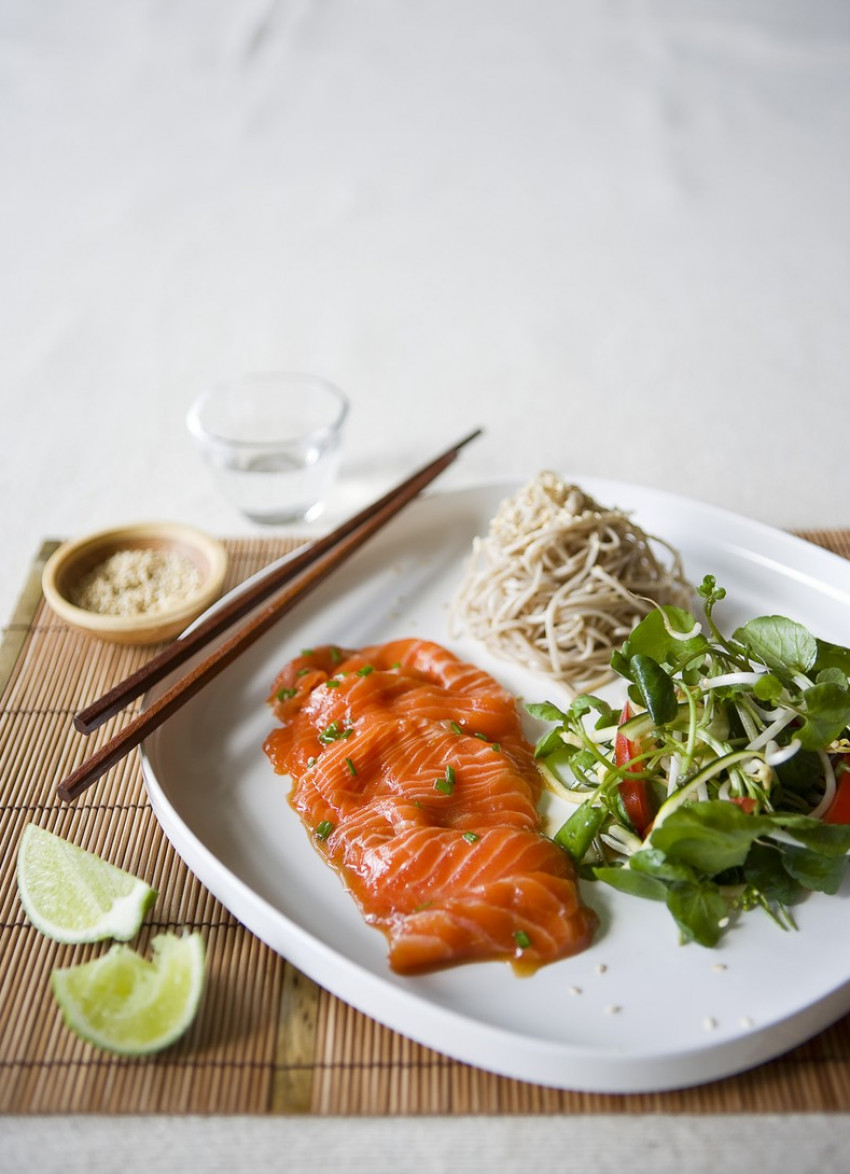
(716, 767)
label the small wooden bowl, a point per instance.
(67, 566)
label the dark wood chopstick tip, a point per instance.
(472, 436)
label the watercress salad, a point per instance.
(723, 785)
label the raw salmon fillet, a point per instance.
(411, 772)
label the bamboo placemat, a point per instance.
(267, 1040)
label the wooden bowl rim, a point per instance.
(73, 558)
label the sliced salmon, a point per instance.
(411, 770)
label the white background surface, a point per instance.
(614, 233)
(607, 1144)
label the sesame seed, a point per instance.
(574, 990)
(613, 1009)
(601, 968)
(137, 582)
(709, 1024)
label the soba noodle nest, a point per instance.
(559, 581)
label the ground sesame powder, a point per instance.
(137, 582)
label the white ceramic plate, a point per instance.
(635, 1012)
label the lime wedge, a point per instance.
(125, 1004)
(72, 895)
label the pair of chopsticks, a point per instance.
(293, 578)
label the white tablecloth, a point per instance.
(513, 1145)
(614, 234)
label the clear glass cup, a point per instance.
(273, 441)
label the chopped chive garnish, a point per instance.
(483, 737)
(351, 767)
(306, 651)
(332, 683)
(365, 670)
(285, 694)
(522, 939)
(447, 783)
(330, 734)
(396, 665)
(455, 728)
(471, 837)
(324, 829)
(333, 733)
(303, 672)
(497, 747)
(335, 654)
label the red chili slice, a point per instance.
(839, 809)
(635, 794)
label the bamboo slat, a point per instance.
(267, 1040)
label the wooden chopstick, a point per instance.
(242, 602)
(348, 538)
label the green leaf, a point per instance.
(832, 656)
(766, 873)
(830, 839)
(711, 836)
(652, 862)
(658, 694)
(585, 702)
(813, 870)
(571, 764)
(827, 714)
(636, 884)
(700, 911)
(768, 688)
(551, 743)
(584, 760)
(780, 643)
(801, 772)
(652, 638)
(620, 665)
(547, 711)
(582, 768)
